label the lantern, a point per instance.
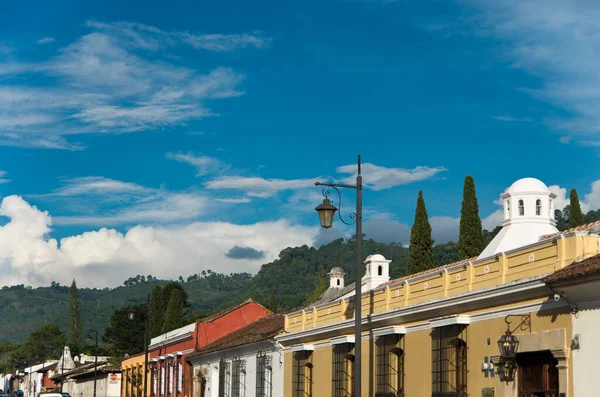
(326, 212)
(508, 344)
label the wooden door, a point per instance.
(538, 375)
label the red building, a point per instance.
(170, 375)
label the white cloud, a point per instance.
(123, 203)
(2, 177)
(241, 200)
(226, 42)
(259, 187)
(118, 78)
(106, 257)
(566, 139)
(555, 41)
(204, 165)
(511, 119)
(378, 178)
(46, 40)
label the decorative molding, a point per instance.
(342, 339)
(392, 330)
(449, 320)
(302, 347)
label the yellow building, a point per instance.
(435, 333)
(132, 372)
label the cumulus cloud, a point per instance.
(325, 236)
(106, 257)
(117, 78)
(378, 178)
(237, 252)
(385, 230)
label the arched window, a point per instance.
(338, 281)
(380, 270)
(521, 208)
(390, 366)
(538, 207)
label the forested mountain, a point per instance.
(282, 284)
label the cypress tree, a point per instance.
(420, 251)
(575, 214)
(75, 326)
(173, 313)
(156, 312)
(470, 239)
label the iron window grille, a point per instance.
(238, 377)
(302, 376)
(390, 366)
(343, 370)
(264, 375)
(224, 379)
(449, 361)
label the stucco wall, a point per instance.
(587, 324)
(210, 364)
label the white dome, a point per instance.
(337, 271)
(375, 257)
(528, 185)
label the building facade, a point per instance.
(81, 381)
(435, 333)
(169, 374)
(247, 362)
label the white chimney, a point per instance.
(336, 278)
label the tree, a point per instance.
(470, 239)
(420, 251)
(124, 334)
(44, 343)
(173, 315)
(168, 290)
(75, 326)
(575, 214)
(156, 312)
(272, 305)
(319, 286)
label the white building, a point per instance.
(579, 285)
(80, 381)
(247, 362)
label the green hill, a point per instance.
(290, 279)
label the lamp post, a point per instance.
(89, 339)
(131, 315)
(326, 212)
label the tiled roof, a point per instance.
(583, 268)
(102, 366)
(587, 226)
(428, 271)
(332, 294)
(220, 314)
(261, 329)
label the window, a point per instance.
(224, 379)
(264, 376)
(390, 366)
(538, 207)
(154, 379)
(302, 381)
(238, 378)
(380, 271)
(521, 208)
(338, 282)
(343, 370)
(449, 361)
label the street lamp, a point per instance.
(326, 212)
(89, 339)
(131, 315)
(508, 345)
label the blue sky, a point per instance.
(139, 136)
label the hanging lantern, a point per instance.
(508, 344)
(326, 212)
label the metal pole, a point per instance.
(62, 366)
(357, 293)
(95, 363)
(146, 394)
